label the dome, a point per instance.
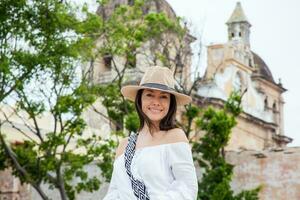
(150, 6)
(262, 68)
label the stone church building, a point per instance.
(233, 66)
(258, 144)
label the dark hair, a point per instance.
(166, 123)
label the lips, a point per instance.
(155, 110)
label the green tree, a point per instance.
(51, 42)
(43, 44)
(210, 155)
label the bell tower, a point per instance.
(238, 26)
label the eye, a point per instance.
(148, 95)
(164, 97)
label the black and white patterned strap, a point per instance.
(138, 187)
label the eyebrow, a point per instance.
(161, 92)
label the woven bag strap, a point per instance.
(138, 187)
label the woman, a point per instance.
(156, 163)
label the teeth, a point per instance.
(155, 110)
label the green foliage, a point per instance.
(108, 156)
(217, 125)
(101, 151)
(117, 107)
(26, 156)
(132, 122)
(41, 72)
(233, 104)
(42, 44)
(129, 27)
(249, 194)
(210, 155)
(192, 111)
(3, 158)
(74, 103)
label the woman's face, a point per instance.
(155, 104)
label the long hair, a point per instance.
(166, 123)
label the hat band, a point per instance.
(158, 86)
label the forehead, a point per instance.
(155, 91)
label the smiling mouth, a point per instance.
(154, 110)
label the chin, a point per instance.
(153, 117)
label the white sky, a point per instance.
(274, 36)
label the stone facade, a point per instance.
(102, 70)
(276, 170)
(11, 188)
(233, 66)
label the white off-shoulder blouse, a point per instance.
(167, 170)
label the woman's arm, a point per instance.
(180, 161)
(113, 193)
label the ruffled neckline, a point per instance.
(158, 146)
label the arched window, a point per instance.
(178, 61)
(250, 63)
(274, 107)
(266, 103)
(131, 2)
(116, 5)
(131, 61)
(107, 60)
(238, 82)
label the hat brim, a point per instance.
(130, 91)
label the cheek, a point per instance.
(144, 104)
(166, 105)
(144, 108)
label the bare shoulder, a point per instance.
(121, 148)
(176, 135)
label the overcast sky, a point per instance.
(274, 36)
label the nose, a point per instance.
(156, 101)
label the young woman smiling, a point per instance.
(155, 163)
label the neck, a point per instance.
(154, 129)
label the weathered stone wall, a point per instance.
(97, 195)
(277, 171)
(250, 135)
(54, 194)
(11, 188)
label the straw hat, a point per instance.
(156, 78)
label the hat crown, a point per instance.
(157, 78)
(159, 75)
